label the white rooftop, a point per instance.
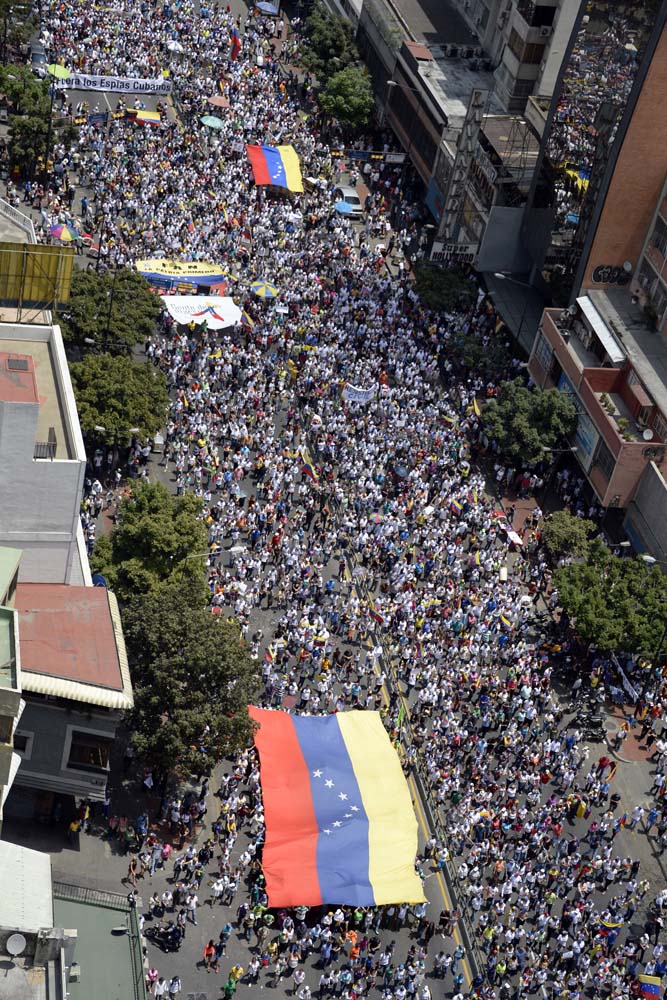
(26, 900)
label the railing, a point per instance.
(47, 449)
(92, 897)
(18, 219)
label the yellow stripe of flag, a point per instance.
(392, 827)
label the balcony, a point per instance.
(621, 417)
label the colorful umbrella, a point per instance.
(264, 289)
(174, 46)
(343, 207)
(64, 233)
(58, 71)
(212, 122)
(218, 101)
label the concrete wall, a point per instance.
(50, 727)
(646, 520)
(566, 15)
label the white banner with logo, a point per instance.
(354, 395)
(115, 84)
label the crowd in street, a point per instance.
(335, 445)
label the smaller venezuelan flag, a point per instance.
(278, 165)
(455, 507)
(476, 407)
(649, 986)
(236, 44)
(376, 616)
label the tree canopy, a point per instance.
(330, 43)
(348, 96)
(150, 545)
(29, 122)
(615, 604)
(444, 288)
(527, 423)
(567, 535)
(193, 680)
(118, 394)
(124, 303)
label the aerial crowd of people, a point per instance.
(336, 442)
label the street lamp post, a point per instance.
(501, 276)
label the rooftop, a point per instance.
(646, 349)
(26, 900)
(36, 385)
(110, 963)
(435, 22)
(72, 644)
(452, 82)
(17, 379)
(513, 141)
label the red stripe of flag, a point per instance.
(289, 858)
(260, 167)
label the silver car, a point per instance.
(351, 198)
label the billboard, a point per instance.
(35, 276)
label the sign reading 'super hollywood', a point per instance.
(115, 84)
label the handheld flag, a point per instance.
(236, 44)
(649, 986)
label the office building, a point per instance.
(42, 456)
(612, 76)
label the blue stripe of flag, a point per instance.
(342, 853)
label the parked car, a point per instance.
(350, 196)
(38, 58)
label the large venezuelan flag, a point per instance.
(340, 827)
(277, 165)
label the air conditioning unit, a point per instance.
(545, 32)
(466, 52)
(479, 52)
(452, 51)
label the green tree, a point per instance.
(527, 423)
(155, 537)
(123, 302)
(615, 604)
(29, 122)
(193, 681)
(330, 43)
(348, 96)
(567, 535)
(118, 394)
(444, 288)
(16, 25)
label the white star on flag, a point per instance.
(317, 774)
(342, 795)
(355, 809)
(329, 783)
(348, 815)
(327, 832)
(337, 823)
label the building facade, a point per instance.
(42, 456)
(599, 131)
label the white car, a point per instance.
(351, 198)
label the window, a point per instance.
(660, 426)
(604, 460)
(89, 751)
(23, 744)
(543, 352)
(659, 236)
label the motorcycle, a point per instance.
(168, 937)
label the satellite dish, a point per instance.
(627, 267)
(15, 944)
(647, 434)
